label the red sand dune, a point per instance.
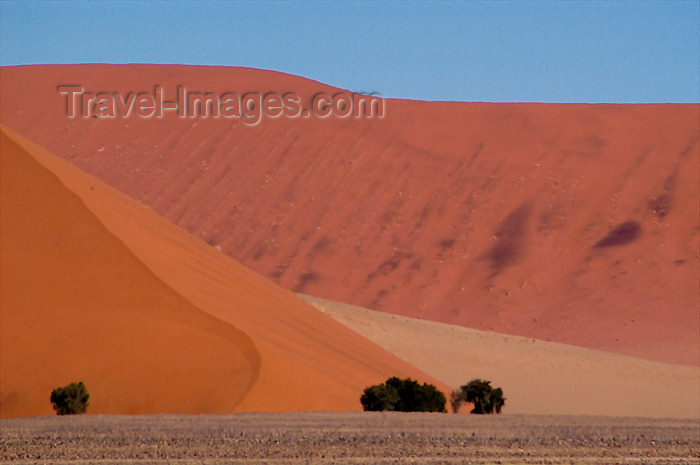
(571, 223)
(98, 288)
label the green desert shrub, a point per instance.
(71, 399)
(403, 395)
(379, 397)
(485, 398)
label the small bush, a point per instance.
(485, 398)
(403, 395)
(70, 400)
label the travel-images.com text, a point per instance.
(251, 107)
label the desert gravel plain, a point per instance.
(349, 438)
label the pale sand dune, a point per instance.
(536, 376)
(98, 288)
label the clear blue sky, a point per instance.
(626, 52)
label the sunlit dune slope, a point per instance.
(98, 288)
(78, 305)
(537, 377)
(570, 223)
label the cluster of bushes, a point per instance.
(479, 392)
(403, 395)
(395, 394)
(407, 395)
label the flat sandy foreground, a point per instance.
(349, 438)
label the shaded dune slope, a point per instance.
(569, 223)
(98, 288)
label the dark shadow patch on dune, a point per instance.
(390, 264)
(595, 142)
(275, 275)
(661, 204)
(590, 145)
(424, 214)
(212, 240)
(321, 246)
(509, 239)
(476, 153)
(380, 295)
(259, 252)
(622, 234)
(417, 264)
(446, 244)
(305, 279)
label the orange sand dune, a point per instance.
(98, 288)
(537, 377)
(570, 223)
